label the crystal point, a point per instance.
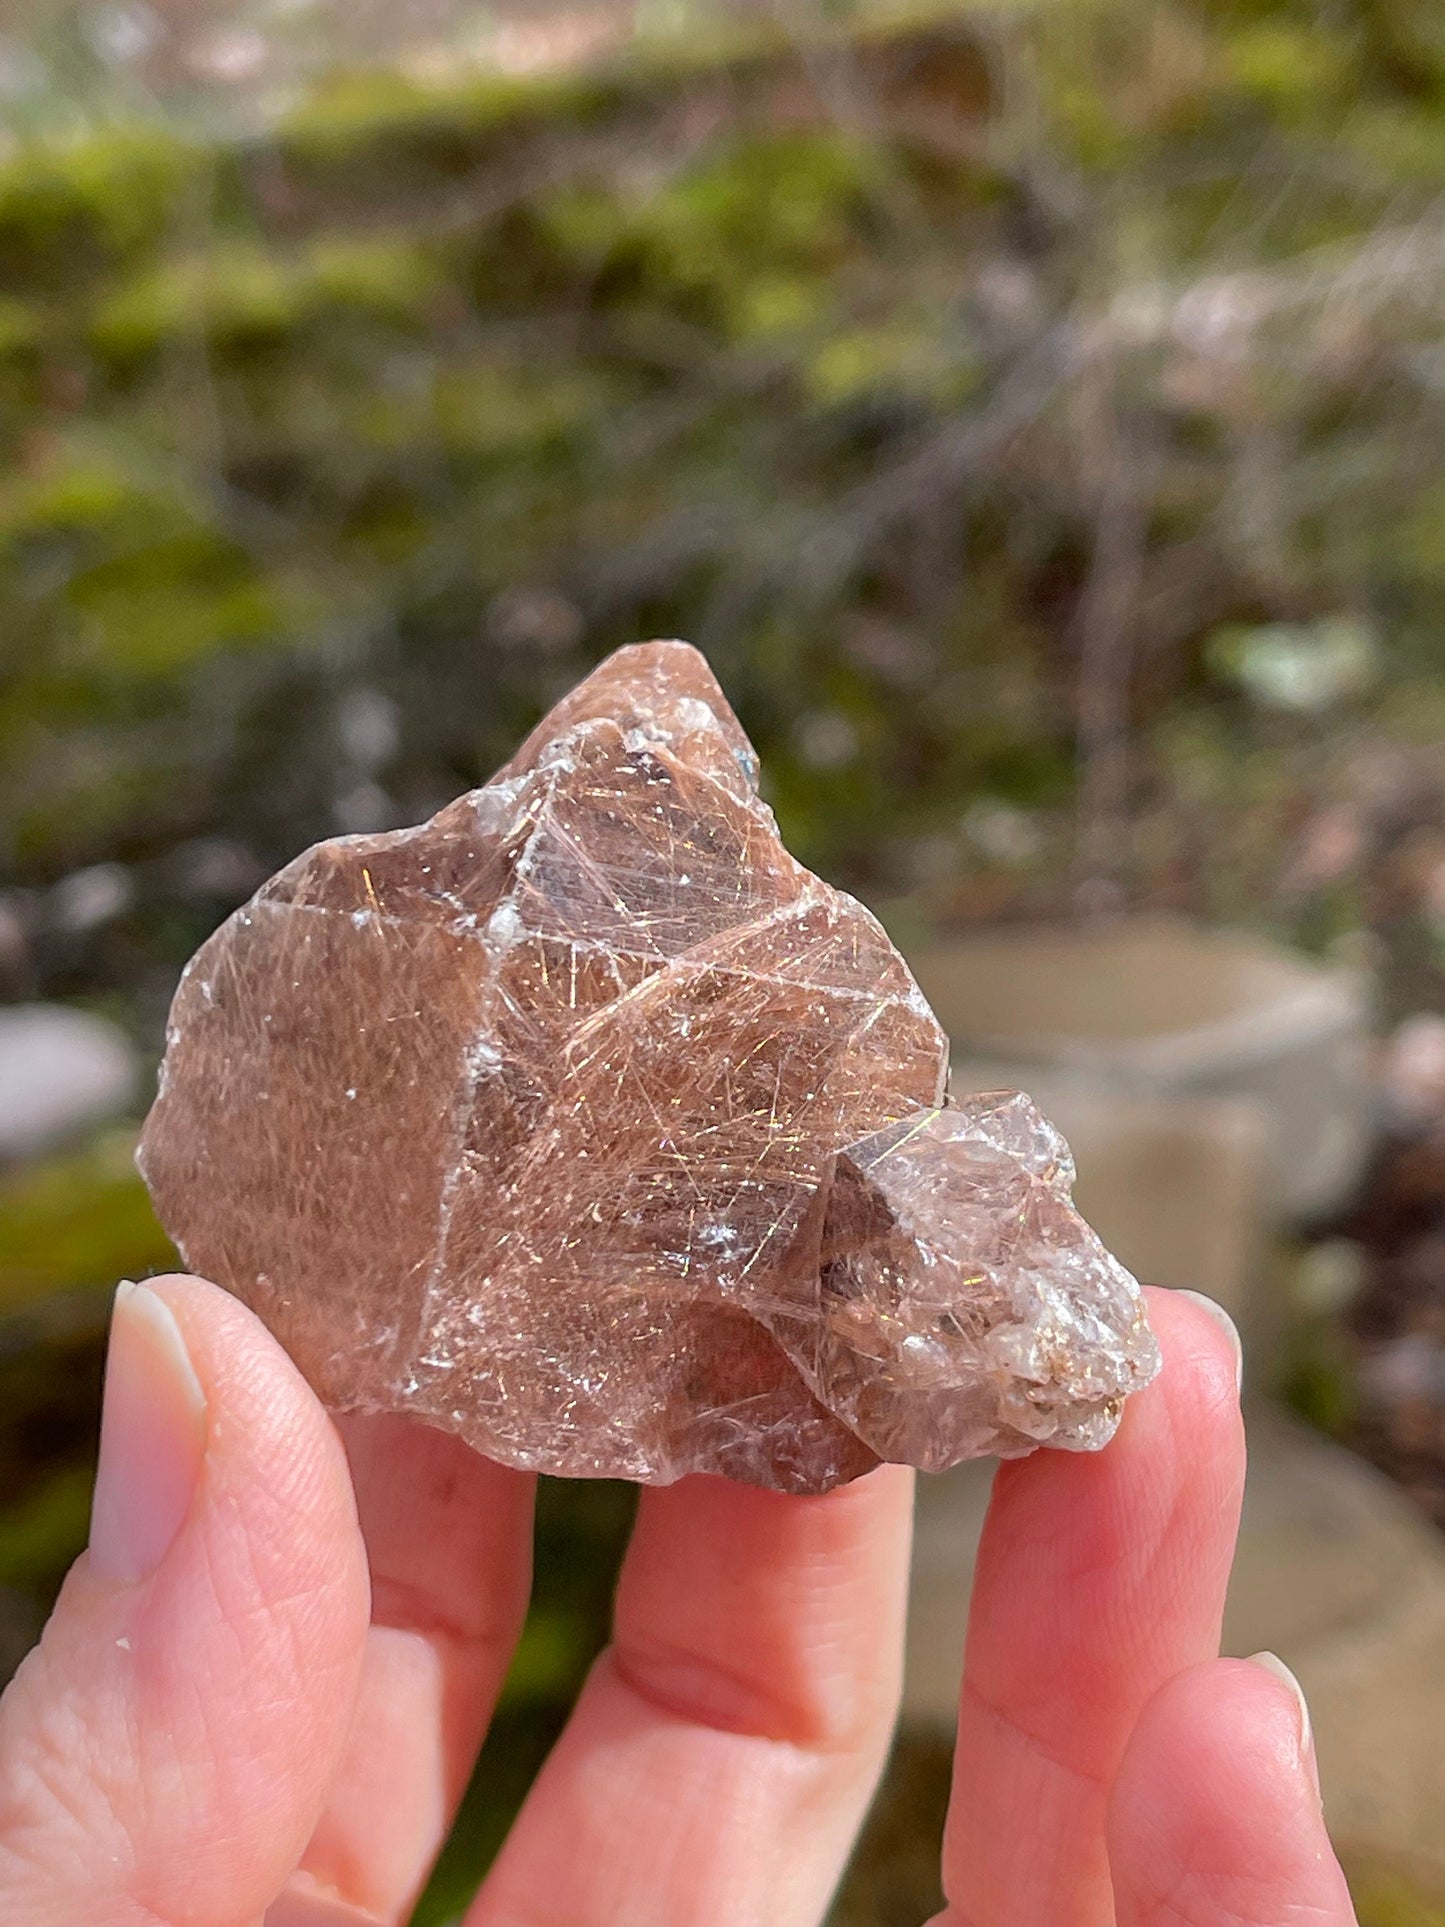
(582, 1121)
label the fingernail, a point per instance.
(152, 1439)
(300, 1906)
(1226, 1324)
(1272, 1663)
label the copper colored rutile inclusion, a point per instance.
(585, 1123)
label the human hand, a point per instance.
(223, 1725)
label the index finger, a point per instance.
(448, 1543)
(1099, 1578)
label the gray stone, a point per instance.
(87, 899)
(60, 1070)
(1155, 1006)
(1337, 1573)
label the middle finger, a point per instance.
(719, 1760)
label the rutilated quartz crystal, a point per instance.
(585, 1123)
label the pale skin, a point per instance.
(262, 1690)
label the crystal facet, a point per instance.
(584, 1122)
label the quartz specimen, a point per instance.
(584, 1122)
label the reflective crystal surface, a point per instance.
(584, 1122)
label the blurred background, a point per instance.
(1033, 410)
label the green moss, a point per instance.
(231, 293)
(902, 357)
(318, 397)
(136, 580)
(65, 813)
(1416, 539)
(239, 295)
(355, 110)
(1400, 142)
(355, 117)
(507, 410)
(43, 1532)
(749, 233)
(82, 1219)
(21, 328)
(383, 278)
(182, 602)
(1299, 70)
(93, 200)
(776, 308)
(71, 497)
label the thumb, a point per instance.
(166, 1750)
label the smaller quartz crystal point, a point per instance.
(583, 1122)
